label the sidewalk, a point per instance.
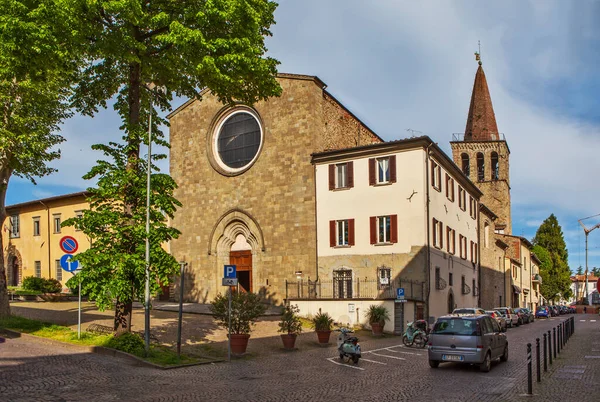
(575, 373)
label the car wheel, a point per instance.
(434, 363)
(487, 363)
(504, 356)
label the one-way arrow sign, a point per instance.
(230, 281)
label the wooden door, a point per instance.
(243, 262)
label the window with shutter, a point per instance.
(331, 233)
(372, 178)
(351, 232)
(393, 168)
(373, 229)
(331, 177)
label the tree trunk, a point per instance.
(123, 317)
(4, 304)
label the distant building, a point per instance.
(578, 287)
(31, 235)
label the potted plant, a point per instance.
(377, 315)
(290, 326)
(323, 323)
(245, 310)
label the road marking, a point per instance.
(592, 357)
(373, 361)
(331, 359)
(581, 320)
(391, 357)
(592, 320)
(406, 353)
(380, 349)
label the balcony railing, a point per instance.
(475, 291)
(355, 288)
(440, 284)
(466, 289)
(494, 137)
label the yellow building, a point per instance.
(31, 235)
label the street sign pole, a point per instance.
(229, 329)
(182, 266)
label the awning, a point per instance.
(516, 289)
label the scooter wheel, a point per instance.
(355, 359)
(341, 356)
(406, 341)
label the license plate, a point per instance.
(455, 358)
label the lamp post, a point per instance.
(147, 284)
(587, 232)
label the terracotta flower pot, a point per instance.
(239, 343)
(377, 328)
(289, 340)
(323, 337)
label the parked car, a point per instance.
(511, 316)
(542, 312)
(474, 339)
(502, 321)
(553, 311)
(525, 314)
(468, 310)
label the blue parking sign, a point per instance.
(399, 293)
(229, 271)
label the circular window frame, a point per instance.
(212, 141)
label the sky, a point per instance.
(407, 68)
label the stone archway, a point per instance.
(14, 266)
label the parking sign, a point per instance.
(229, 271)
(399, 293)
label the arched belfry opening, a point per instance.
(495, 166)
(466, 168)
(480, 167)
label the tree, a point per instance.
(36, 69)
(550, 248)
(596, 271)
(580, 270)
(184, 47)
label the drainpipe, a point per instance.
(316, 231)
(478, 264)
(48, 240)
(428, 271)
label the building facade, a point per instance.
(247, 185)
(31, 235)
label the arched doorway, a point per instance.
(241, 256)
(14, 264)
(450, 301)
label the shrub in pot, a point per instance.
(377, 315)
(246, 308)
(290, 326)
(323, 324)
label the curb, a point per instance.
(101, 350)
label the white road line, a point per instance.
(406, 353)
(592, 357)
(345, 365)
(377, 350)
(391, 357)
(592, 320)
(373, 361)
(581, 320)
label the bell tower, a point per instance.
(483, 154)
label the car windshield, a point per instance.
(463, 311)
(541, 309)
(455, 326)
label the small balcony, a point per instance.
(440, 284)
(466, 289)
(536, 278)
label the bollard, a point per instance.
(573, 323)
(537, 359)
(529, 373)
(545, 354)
(550, 346)
(558, 332)
(554, 341)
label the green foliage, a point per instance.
(378, 314)
(129, 343)
(550, 248)
(114, 265)
(34, 284)
(290, 320)
(322, 322)
(246, 308)
(579, 270)
(37, 285)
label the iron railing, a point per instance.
(475, 291)
(440, 283)
(466, 289)
(357, 288)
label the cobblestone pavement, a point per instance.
(31, 371)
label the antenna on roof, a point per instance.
(413, 132)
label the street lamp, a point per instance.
(151, 88)
(587, 232)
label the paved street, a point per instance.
(33, 371)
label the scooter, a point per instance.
(417, 333)
(348, 346)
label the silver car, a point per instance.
(474, 339)
(511, 317)
(468, 310)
